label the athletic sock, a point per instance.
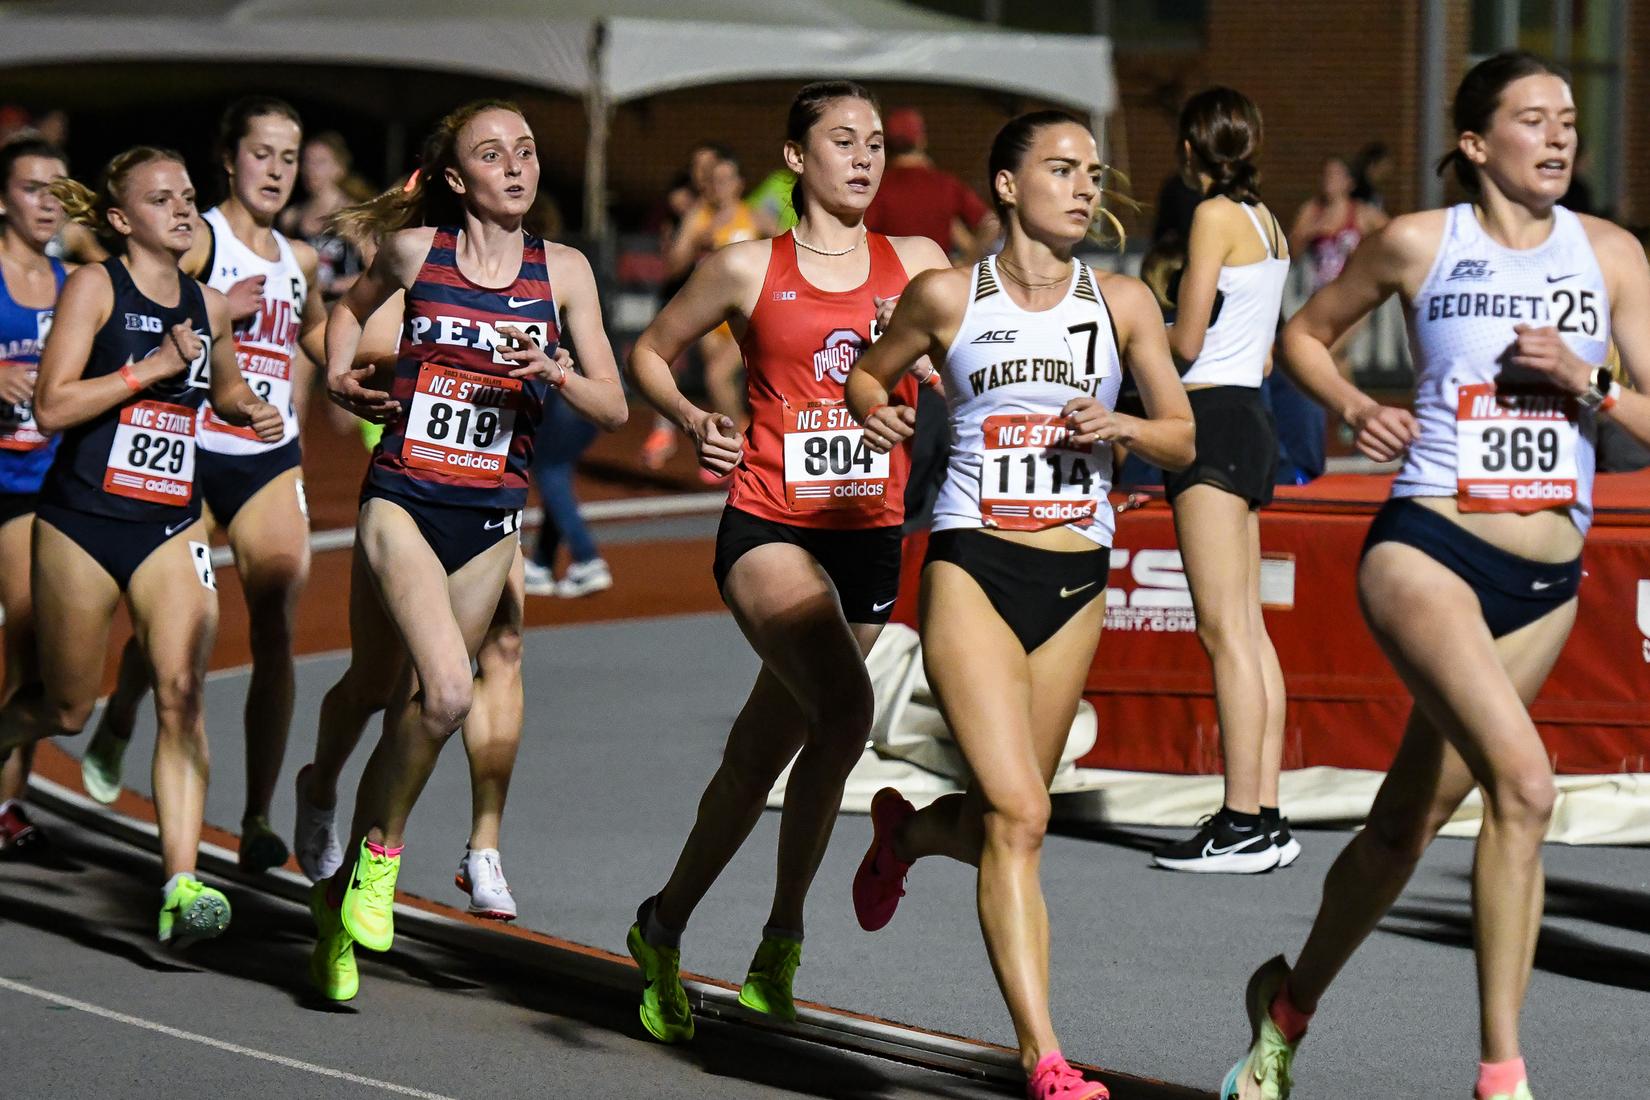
(1290, 1019)
(1270, 817)
(653, 932)
(381, 850)
(172, 884)
(1243, 823)
(1499, 1078)
(772, 932)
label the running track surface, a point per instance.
(1148, 966)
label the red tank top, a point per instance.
(806, 463)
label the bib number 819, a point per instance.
(480, 434)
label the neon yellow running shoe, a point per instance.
(332, 963)
(193, 911)
(665, 1012)
(767, 987)
(1264, 1073)
(1522, 1092)
(368, 911)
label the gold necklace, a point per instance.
(1008, 269)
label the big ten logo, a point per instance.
(1644, 617)
(142, 322)
(840, 351)
(829, 418)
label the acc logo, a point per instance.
(1644, 617)
(996, 336)
(842, 349)
(1469, 269)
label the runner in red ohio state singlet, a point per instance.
(805, 462)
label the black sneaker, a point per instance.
(1221, 848)
(1289, 849)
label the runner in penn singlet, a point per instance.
(1470, 572)
(30, 280)
(136, 347)
(808, 552)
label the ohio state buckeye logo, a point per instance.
(843, 347)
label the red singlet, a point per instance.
(806, 463)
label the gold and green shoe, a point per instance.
(767, 987)
(368, 910)
(332, 963)
(665, 1011)
(1265, 1073)
(193, 911)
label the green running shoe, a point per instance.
(1522, 1092)
(193, 911)
(1264, 1073)
(767, 987)
(101, 765)
(261, 848)
(368, 911)
(332, 964)
(665, 1012)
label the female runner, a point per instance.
(136, 345)
(807, 555)
(1032, 344)
(1470, 571)
(492, 730)
(254, 490)
(1237, 250)
(441, 506)
(30, 280)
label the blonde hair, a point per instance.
(91, 208)
(427, 199)
(1107, 229)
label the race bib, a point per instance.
(1033, 477)
(153, 456)
(461, 423)
(17, 428)
(828, 464)
(269, 373)
(1514, 452)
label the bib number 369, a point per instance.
(1515, 452)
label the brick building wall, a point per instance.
(1635, 198)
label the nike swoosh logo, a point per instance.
(1068, 592)
(495, 524)
(1209, 848)
(519, 303)
(175, 528)
(1541, 585)
(1561, 278)
(883, 606)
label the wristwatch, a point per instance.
(1598, 391)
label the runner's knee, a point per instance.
(1522, 798)
(446, 700)
(500, 651)
(179, 698)
(1019, 821)
(1402, 840)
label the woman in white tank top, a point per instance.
(1236, 249)
(1469, 575)
(254, 490)
(1032, 344)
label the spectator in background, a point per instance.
(770, 201)
(919, 200)
(1372, 168)
(324, 171)
(1176, 203)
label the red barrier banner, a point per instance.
(1152, 687)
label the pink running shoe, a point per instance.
(659, 445)
(1054, 1079)
(880, 881)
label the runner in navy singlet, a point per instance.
(136, 348)
(29, 284)
(441, 507)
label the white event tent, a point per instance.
(606, 52)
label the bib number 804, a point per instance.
(1520, 450)
(837, 455)
(479, 434)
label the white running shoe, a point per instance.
(102, 763)
(481, 875)
(540, 581)
(315, 836)
(584, 578)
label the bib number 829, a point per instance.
(157, 453)
(1520, 449)
(479, 434)
(837, 455)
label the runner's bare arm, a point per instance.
(930, 305)
(232, 399)
(312, 326)
(1384, 264)
(1206, 252)
(393, 269)
(1165, 437)
(62, 397)
(592, 390)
